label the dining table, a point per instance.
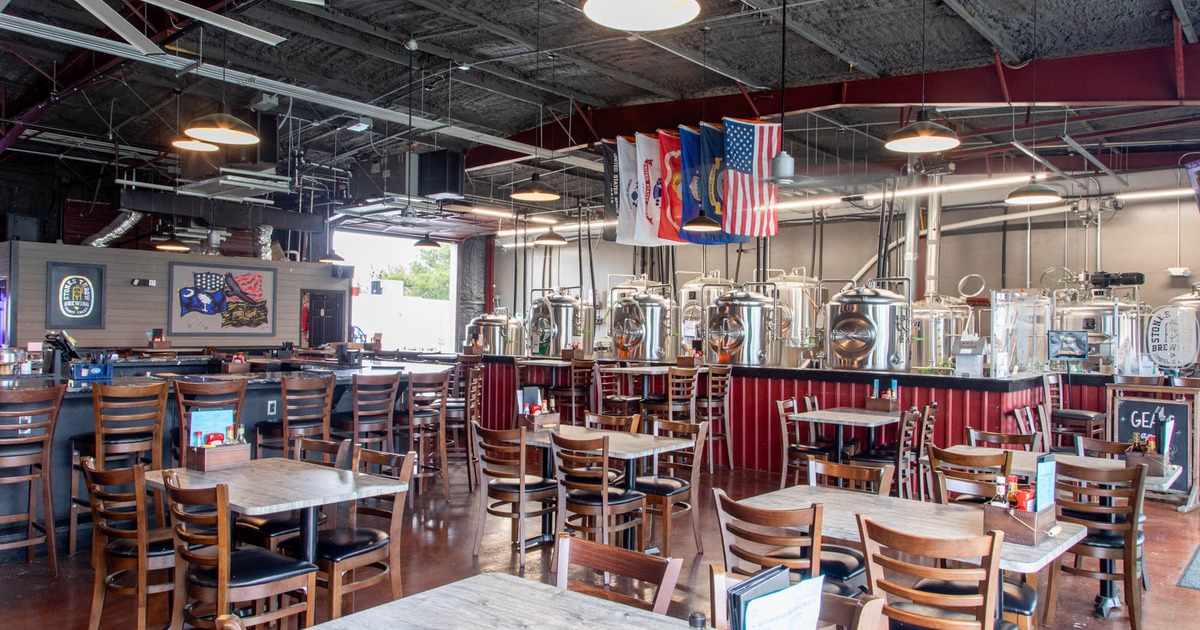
(489, 601)
(1025, 463)
(275, 484)
(646, 372)
(842, 417)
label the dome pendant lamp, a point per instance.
(222, 129)
(701, 223)
(923, 135)
(427, 243)
(550, 239)
(535, 190)
(1033, 194)
(641, 15)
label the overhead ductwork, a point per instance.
(114, 230)
(262, 240)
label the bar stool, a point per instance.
(679, 403)
(371, 420)
(207, 395)
(578, 392)
(1065, 424)
(306, 407)
(27, 421)
(713, 407)
(612, 400)
(468, 373)
(129, 430)
(425, 429)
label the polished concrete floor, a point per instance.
(441, 534)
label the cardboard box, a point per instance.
(218, 457)
(1022, 527)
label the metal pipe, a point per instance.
(911, 225)
(1028, 251)
(933, 242)
(1099, 243)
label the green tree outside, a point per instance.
(427, 277)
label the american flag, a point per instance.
(208, 280)
(749, 199)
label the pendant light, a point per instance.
(923, 135)
(427, 243)
(535, 189)
(186, 143)
(550, 239)
(641, 15)
(221, 127)
(1033, 193)
(701, 223)
(173, 244)
(783, 167)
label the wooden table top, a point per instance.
(914, 517)
(497, 600)
(1025, 463)
(648, 370)
(276, 484)
(621, 445)
(849, 416)
(544, 362)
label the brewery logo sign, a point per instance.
(74, 295)
(1173, 336)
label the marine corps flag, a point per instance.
(750, 199)
(703, 153)
(650, 193)
(627, 204)
(671, 164)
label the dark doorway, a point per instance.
(323, 317)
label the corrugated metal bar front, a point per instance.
(499, 394)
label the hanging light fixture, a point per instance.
(427, 243)
(535, 189)
(222, 128)
(550, 239)
(331, 258)
(1033, 194)
(922, 135)
(186, 143)
(783, 167)
(641, 15)
(173, 244)
(701, 223)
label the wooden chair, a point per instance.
(211, 578)
(578, 393)
(679, 403)
(508, 487)
(903, 457)
(977, 565)
(837, 612)
(625, 424)
(598, 510)
(345, 553)
(205, 395)
(1109, 504)
(661, 572)
(1024, 442)
(925, 435)
(796, 449)
(976, 467)
(611, 398)
(670, 490)
(1089, 447)
(841, 562)
(466, 375)
(713, 407)
(371, 420)
(28, 418)
(306, 411)
(1066, 423)
(128, 430)
(424, 429)
(126, 552)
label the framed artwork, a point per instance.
(74, 295)
(220, 300)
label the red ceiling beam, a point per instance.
(1133, 78)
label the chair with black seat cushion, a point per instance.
(349, 551)
(753, 539)
(203, 395)
(795, 448)
(679, 401)
(837, 612)
(467, 373)
(28, 418)
(624, 424)
(370, 421)
(587, 501)
(307, 403)
(976, 566)
(423, 429)
(901, 454)
(841, 562)
(212, 579)
(712, 406)
(128, 429)
(577, 395)
(670, 491)
(1109, 503)
(126, 552)
(1066, 423)
(971, 467)
(612, 400)
(1024, 442)
(508, 485)
(602, 560)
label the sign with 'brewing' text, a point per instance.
(1172, 336)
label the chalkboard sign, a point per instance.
(1149, 417)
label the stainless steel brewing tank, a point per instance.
(741, 330)
(1189, 300)
(868, 330)
(936, 322)
(1112, 323)
(798, 301)
(555, 320)
(640, 327)
(695, 296)
(500, 334)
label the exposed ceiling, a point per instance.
(1115, 76)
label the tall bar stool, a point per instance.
(1065, 424)
(578, 392)
(468, 374)
(424, 430)
(371, 420)
(306, 410)
(612, 401)
(129, 430)
(713, 407)
(27, 421)
(207, 395)
(679, 403)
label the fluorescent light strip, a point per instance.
(540, 230)
(504, 214)
(909, 192)
(1155, 194)
(120, 26)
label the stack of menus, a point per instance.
(769, 601)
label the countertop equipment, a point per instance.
(868, 328)
(641, 324)
(499, 332)
(558, 320)
(742, 328)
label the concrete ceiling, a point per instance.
(544, 63)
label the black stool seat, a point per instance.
(841, 562)
(250, 567)
(20, 450)
(337, 545)
(662, 486)
(86, 442)
(1018, 598)
(1078, 414)
(533, 483)
(276, 426)
(344, 420)
(127, 548)
(593, 497)
(273, 525)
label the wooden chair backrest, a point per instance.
(29, 416)
(389, 507)
(1183, 381)
(627, 424)
(462, 370)
(1026, 441)
(1052, 392)
(581, 373)
(838, 612)
(977, 467)
(1133, 379)
(375, 397)
(610, 384)
(718, 381)
(122, 410)
(953, 490)
(118, 502)
(926, 429)
(684, 463)
(906, 443)
(427, 392)
(475, 394)
(582, 464)
(911, 556)
(750, 535)
(501, 454)
(681, 384)
(1092, 447)
(789, 429)
(811, 403)
(1108, 502)
(190, 396)
(203, 536)
(306, 398)
(853, 478)
(339, 454)
(663, 573)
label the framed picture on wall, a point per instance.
(220, 300)
(74, 295)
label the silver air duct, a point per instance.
(933, 240)
(262, 241)
(114, 230)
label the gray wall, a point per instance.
(132, 311)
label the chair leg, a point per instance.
(728, 440)
(445, 469)
(1052, 592)
(1133, 591)
(73, 523)
(692, 514)
(48, 522)
(100, 569)
(666, 527)
(483, 499)
(336, 582)
(1143, 575)
(310, 601)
